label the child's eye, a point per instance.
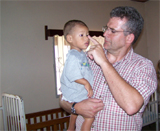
(81, 35)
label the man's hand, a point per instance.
(89, 107)
(96, 52)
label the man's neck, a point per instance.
(116, 56)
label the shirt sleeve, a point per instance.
(145, 81)
(73, 68)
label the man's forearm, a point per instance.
(87, 108)
(125, 95)
(65, 105)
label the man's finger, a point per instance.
(90, 56)
(93, 40)
(92, 47)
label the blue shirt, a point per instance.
(76, 67)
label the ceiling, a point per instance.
(141, 0)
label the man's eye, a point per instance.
(113, 31)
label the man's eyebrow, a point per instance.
(112, 28)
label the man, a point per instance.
(123, 80)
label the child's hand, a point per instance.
(90, 93)
(86, 85)
(89, 89)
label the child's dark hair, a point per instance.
(70, 24)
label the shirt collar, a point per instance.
(128, 56)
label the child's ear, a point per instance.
(69, 38)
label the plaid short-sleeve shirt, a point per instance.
(136, 70)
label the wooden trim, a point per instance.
(49, 123)
(52, 32)
(54, 118)
(41, 113)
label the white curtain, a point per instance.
(60, 50)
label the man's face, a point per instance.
(115, 41)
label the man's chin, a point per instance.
(105, 46)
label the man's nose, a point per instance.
(107, 32)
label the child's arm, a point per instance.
(86, 85)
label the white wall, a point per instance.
(27, 62)
(1, 122)
(152, 30)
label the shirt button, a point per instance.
(92, 126)
(105, 82)
(100, 96)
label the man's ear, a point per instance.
(130, 38)
(69, 38)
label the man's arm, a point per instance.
(65, 105)
(126, 96)
(87, 108)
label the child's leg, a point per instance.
(86, 126)
(72, 122)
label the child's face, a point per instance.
(79, 38)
